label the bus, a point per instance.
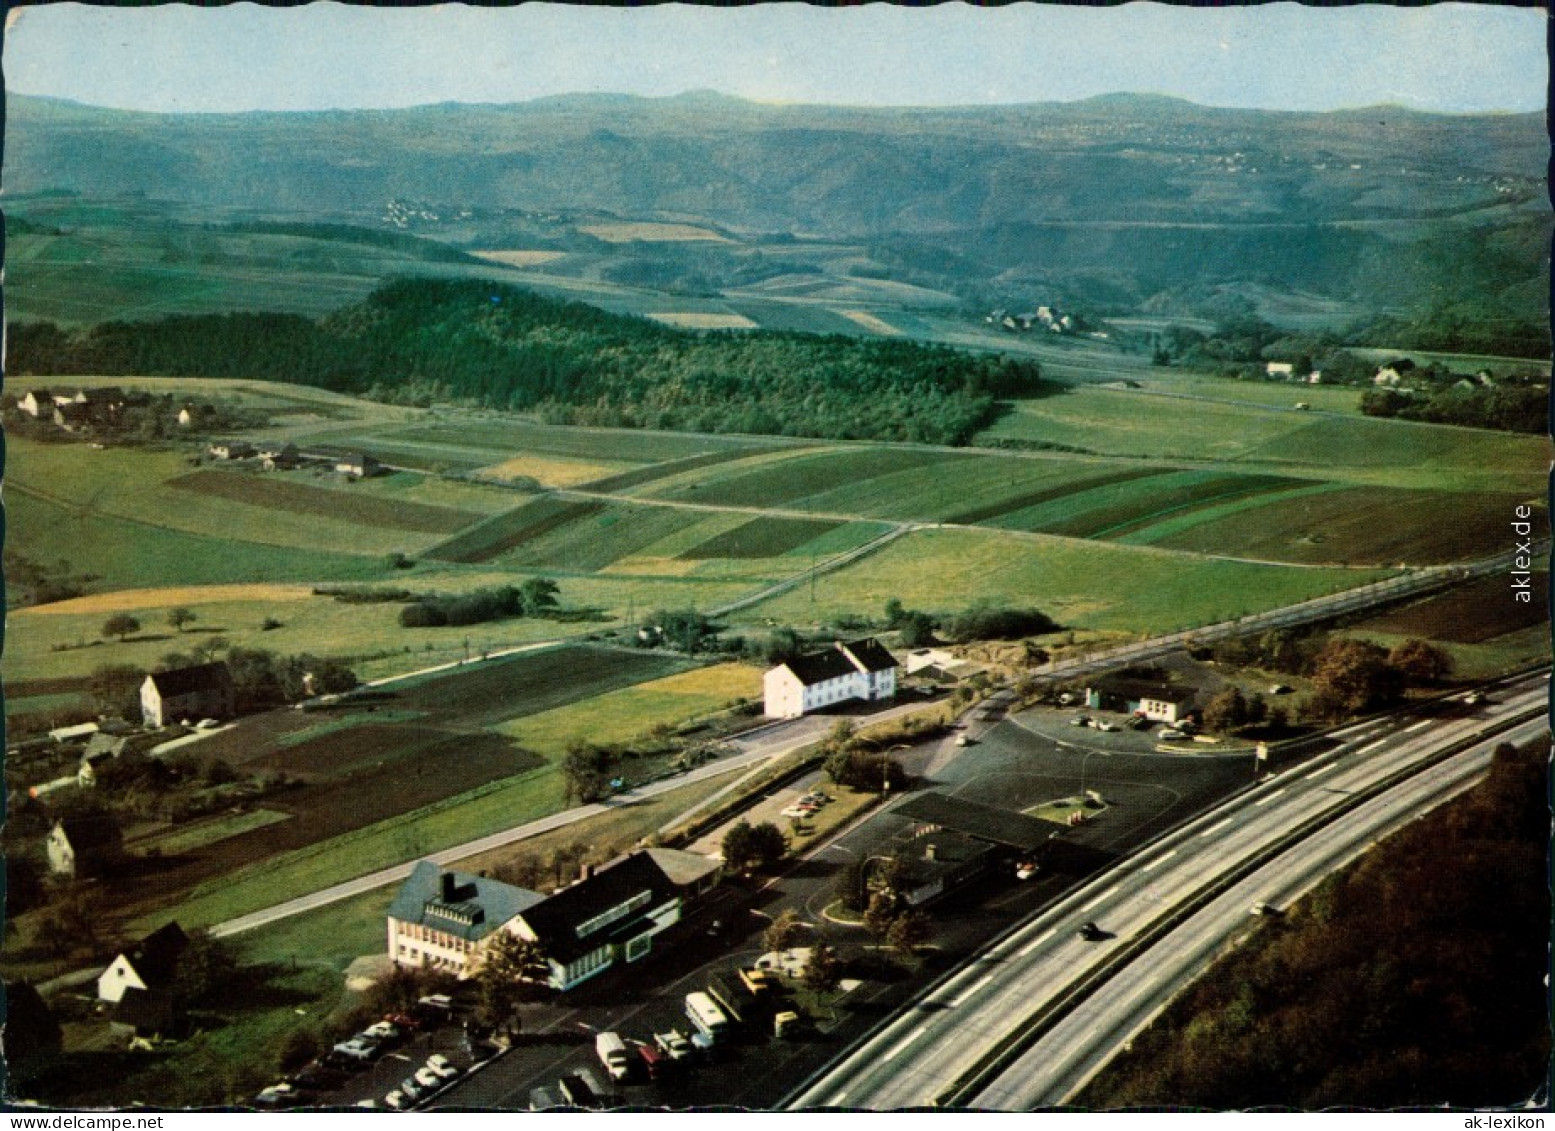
(706, 1016)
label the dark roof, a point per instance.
(556, 921)
(1142, 689)
(156, 956)
(201, 677)
(870, 654)
(87, 833)
(818, 667)
(469, 907)
(985, 822)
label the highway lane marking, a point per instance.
(1323, 769)
(1216, 828)
(1268, 797)
(1036, 942)
(1102, 898)
(1373, 746)
(1421, 725)
(964, 994)
(905, 1041)
(1158, 861)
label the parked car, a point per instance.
(799, 812)
(429, 1080)
(674, 1043)
(1172, 734)
(1106, 726)
(441, 1065)
(279, 1095)
(357, 1051)
(1025, 870)
(396, 1100)
(412, 1088)
(1080, 721)
(656, 1062)
(787, 1024)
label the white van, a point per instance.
(611, 1050)
(704, 1013)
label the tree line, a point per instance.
(419, 340)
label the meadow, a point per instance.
(1082, 585)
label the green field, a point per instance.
(1081, 585)
(632, 712)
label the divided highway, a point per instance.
(1054, 1069)
(934, 1049)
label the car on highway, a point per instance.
(1171, 734)
(1262, 908)
(1090, 932)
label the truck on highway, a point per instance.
(709, 1019)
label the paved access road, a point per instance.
(921, 1055)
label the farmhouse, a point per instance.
(232, 449)
(37, 402)
(358, 465)
(201, 691)
(73, 417)
(442, 920)
(84, 846)
(858, 669)
(284, 458)
(1159, 701)
(147, 966)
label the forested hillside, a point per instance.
(415, 341)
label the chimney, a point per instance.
(450, 888)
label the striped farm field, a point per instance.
(776, 483)
(341, 505)
(762, 538)
(641, 475)
(615, 445)
(504, 532)
(1360, 525)
(1125, 505)
(596, 534)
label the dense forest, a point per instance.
(1417, 977)
(420, 340)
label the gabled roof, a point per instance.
(869, 654)
(156, 956)
(556, 921)
(87, 833)
(818, 667)
(466, 906)
(680, 867)
(185, 681)
(1142, 689)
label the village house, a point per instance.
(284, 458)
(139, 982)
(231, 449)
(859, 669)
(358, 465)
(198, 692)
(82, 847)
(1160, 702)
(38, 403)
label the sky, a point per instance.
(180, 58)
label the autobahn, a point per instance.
(1054, 1069)
(1042, 971)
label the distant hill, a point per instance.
(1140, 194)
